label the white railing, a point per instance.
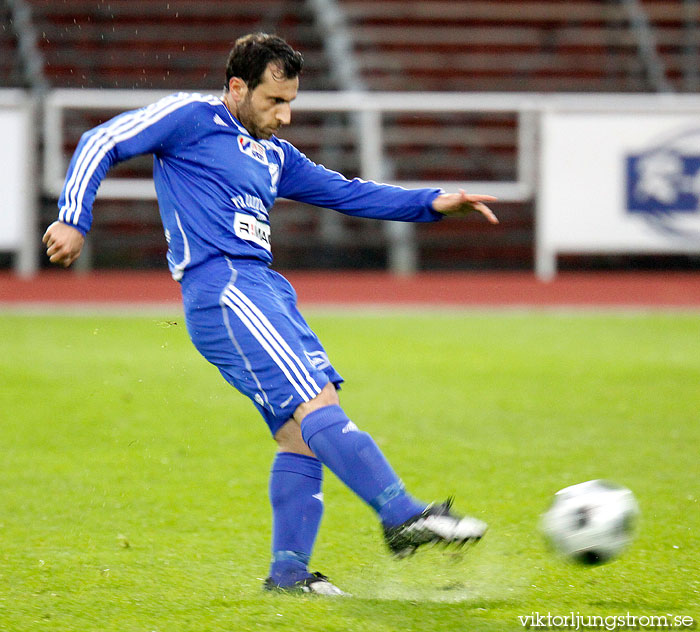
(18, 173)
(369, 106)
(370, 109)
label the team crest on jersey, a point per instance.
(252, 148)
(274, 177)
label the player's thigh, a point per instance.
(313, 348)
(242, 325)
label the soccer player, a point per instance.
(218, 168)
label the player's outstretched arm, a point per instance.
(63, 243)
(463, 203)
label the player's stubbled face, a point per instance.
(266, 108)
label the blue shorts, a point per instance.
(242, 317)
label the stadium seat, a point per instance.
(155, 44)
(10, 71)
(497, 45)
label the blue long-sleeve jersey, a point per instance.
(216, 183)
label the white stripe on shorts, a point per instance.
(273, 343)
(248, 365)
(271, 329)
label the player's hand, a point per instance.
(463, 203)
(63, 243)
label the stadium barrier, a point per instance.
(609, 173)
(18, 175)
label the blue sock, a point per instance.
(355, 459)
(297, 507)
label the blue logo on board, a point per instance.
(663, 182)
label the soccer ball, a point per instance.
(591, 522)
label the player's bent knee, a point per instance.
(327, 397)
(289, 439)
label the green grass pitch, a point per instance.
(133, 480)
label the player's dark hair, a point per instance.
(252, 53)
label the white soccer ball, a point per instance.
(592, 522)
